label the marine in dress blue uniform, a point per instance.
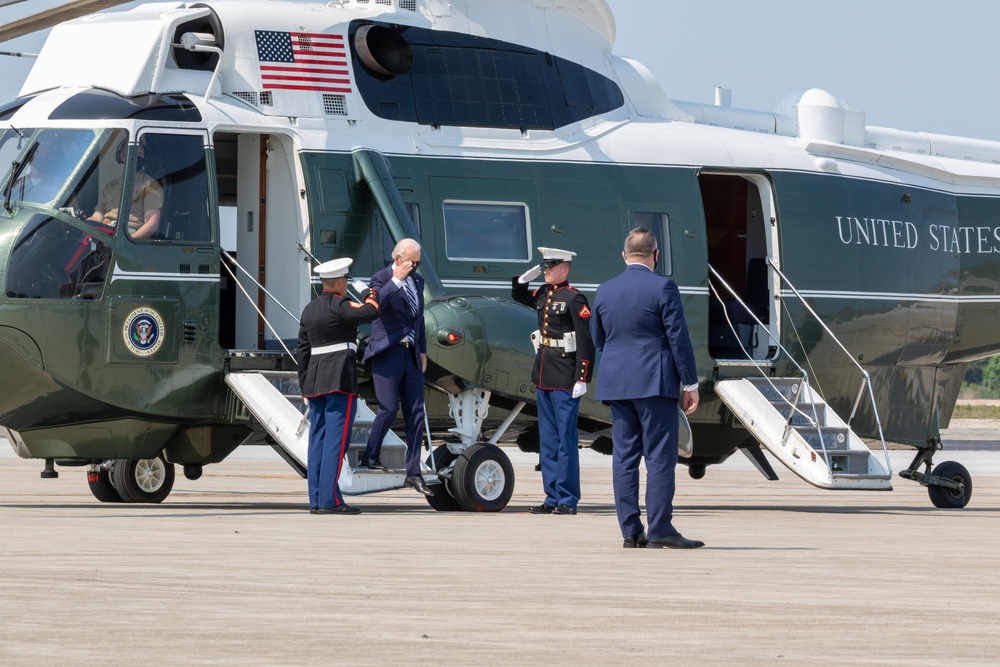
(326, 354)
(562, 369)
(397, 350)
(638, 322)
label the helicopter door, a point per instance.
(742, 235)
(261, 230)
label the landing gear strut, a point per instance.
(949, 485)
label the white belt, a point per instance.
(336, 347)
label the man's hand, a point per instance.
(530, 274)
(423, 363)
(359, 286)
(402, 270)
(690, 401)
(579, 389)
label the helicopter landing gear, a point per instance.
(949, 485)
(443, 499)
(101, 485)
(483, 479)
(132, 480)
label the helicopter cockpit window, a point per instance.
(53, 259)
(659, 224)
(486, 231)
(55, 168)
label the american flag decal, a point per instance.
(302, 61)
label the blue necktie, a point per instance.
(411, 298)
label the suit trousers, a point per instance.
(558, 446)
(645, 427)
(398, 379)
(331, 417)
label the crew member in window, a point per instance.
(564, 358)
(147, 198)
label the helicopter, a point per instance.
(837, 277)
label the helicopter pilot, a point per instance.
(147, 198)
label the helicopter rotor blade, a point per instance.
(50, 17)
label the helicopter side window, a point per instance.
(55, 260)
(486, 231)
(659, 224)
(177, 164)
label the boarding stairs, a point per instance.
(790, 419)
(794, 423)
(273, 399)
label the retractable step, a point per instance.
(273, 399)
(795, 424)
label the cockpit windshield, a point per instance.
(61, 169)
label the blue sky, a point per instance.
(910, 64)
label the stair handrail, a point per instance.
(814, 418)
(866, 380)
(253, 303)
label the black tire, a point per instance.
(483, 479)
(104, 488)
(947, 498)
(143, 480)
(443, 499)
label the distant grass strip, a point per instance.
(976, 411)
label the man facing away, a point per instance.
(398, 353)
(563, 362)
(638, 322)
(326, 355)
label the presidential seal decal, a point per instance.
(143, 332)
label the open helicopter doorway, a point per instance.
(259, 229)
(741, 232)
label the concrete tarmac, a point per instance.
(232, 570)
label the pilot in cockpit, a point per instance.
(147, 198)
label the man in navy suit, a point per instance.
(398, 353)
(638, 322)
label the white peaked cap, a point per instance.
(335, 268)
(556, 253)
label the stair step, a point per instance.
(850, 461)
(834, 439)
(777, 390)
(804, 414)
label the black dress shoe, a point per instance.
(542, 509)
(564, 509)
(677, 541)
(363, 461)
(340, 509)
(377, 465)
(314, 510)
(637, 541)
(417, 482)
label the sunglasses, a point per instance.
(415, 264)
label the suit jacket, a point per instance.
(395, 320)
(330, 319)
(638, 321)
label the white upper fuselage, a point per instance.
(134, 53)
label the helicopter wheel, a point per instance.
(483, 479)
(143, 480)
(951, 498)
(104, 488)
(443, 499)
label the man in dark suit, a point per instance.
(326, 355)
(638, 321)
(398, 353)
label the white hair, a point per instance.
(404, 245)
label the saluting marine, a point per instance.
(327, 354)
(564, 357)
